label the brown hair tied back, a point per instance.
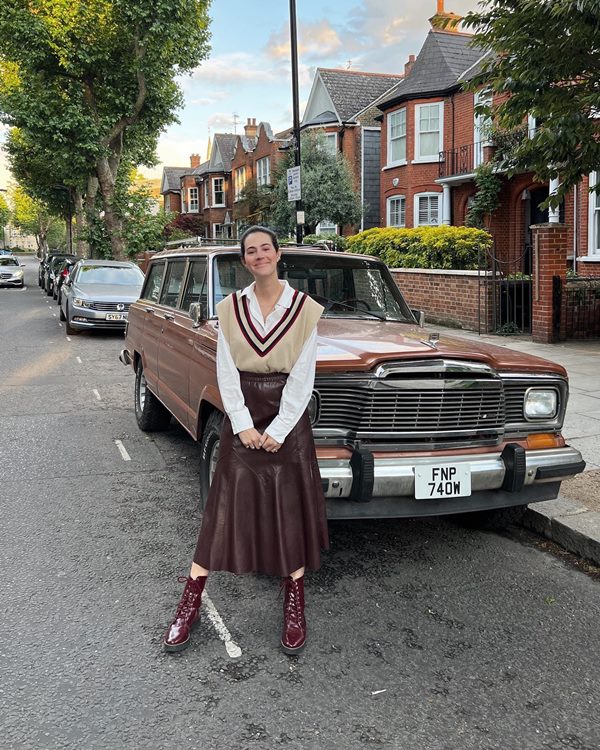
(253, 230)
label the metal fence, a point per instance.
(581, 308)
(506, 292)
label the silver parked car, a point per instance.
(11, 271)
(98, 294)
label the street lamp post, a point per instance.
(296, 111)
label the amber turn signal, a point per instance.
(544, 440)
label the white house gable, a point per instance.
(319, 101)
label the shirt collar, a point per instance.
(286, 296)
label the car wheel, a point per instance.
(209, 453)
(49, 289)
(61, 314)
(68, 327)
(150, 414)
(493, 519)
(54, 295)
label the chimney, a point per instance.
(250, 128)
(444, 21)
(408, 65)
(195, 161)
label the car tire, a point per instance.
(494, 519)
(48, 290)
(61, 314)
(54, 294)
(209, 452)
(150, 414)
(68, 327)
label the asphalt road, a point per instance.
(423, 635)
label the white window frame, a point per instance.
(215, 231)
(193, 201)
(402, 210)
(329, 139)
(206, 194)
(481, 127)
(416, 222)
(263, 171)
(214, 197)
(239, 182)
(594, 219)
(429, 158)
(402, 161)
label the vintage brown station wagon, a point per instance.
(405, 423)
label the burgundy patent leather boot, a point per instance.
(293, 637)
(177, 636)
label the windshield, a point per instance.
(109, 275)
(347, 287)
(9, 262)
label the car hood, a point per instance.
(351, 344)
(108, 292)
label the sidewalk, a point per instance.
(573, 519)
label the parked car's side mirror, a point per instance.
(197, 313)
(419, 316)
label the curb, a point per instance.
(569, 524)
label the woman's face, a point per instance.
(260, 257)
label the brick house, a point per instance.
(432, 142)
(341, 104)
(255, 155)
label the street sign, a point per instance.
(293, 184)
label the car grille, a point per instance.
(110, 306)
(5, 275)
(514, 395)
(412, 411)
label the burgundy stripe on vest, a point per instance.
(244, 321)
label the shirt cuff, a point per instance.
(278, 430)
(240, 420)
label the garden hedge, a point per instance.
(457, 248)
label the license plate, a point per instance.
(442, 480)
(116, 316)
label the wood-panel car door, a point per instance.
(175, 342)
(150, 324)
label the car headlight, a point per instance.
(314, 408)
(78, 302)
(17, 274)
(541, 403)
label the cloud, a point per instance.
(221, 121)
(235, 67)
(211, 98)
(316, 41)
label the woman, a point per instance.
(265, 511)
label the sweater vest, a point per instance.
(280, 348)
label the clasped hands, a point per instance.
(252, 438)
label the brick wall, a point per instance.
(453, 298)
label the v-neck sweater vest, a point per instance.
(279, 348)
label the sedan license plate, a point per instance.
(116, 316)
(442, 480)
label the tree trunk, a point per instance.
(112, 221)
(82, 248)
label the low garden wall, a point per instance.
(452, 298)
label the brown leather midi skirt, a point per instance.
(265, 512)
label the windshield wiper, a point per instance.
(329, 303)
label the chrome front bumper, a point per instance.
(395, 477)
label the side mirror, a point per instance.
(197, 313)
(419, 316)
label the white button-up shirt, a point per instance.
(299, 385)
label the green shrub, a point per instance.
(457, 248)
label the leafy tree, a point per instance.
(185, 225)
(255, 204)
(544, 61)
(94, 82)
(327, 187)
(4, 215)
(33, 217)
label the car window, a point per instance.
(196, 285)
(126, 275)
(9, 262)
(173, 282)
(154, 279)
(230, 275)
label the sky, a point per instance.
(248, 71)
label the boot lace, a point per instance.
(292, 600)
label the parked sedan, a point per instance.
(61, 275)
(44, 268)
(11, 271)
(98, 294)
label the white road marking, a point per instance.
(60, 326)
(231, 646)
(96, 394)
(54, 315)
(79, 360)
(122, 451)
(68, 337)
